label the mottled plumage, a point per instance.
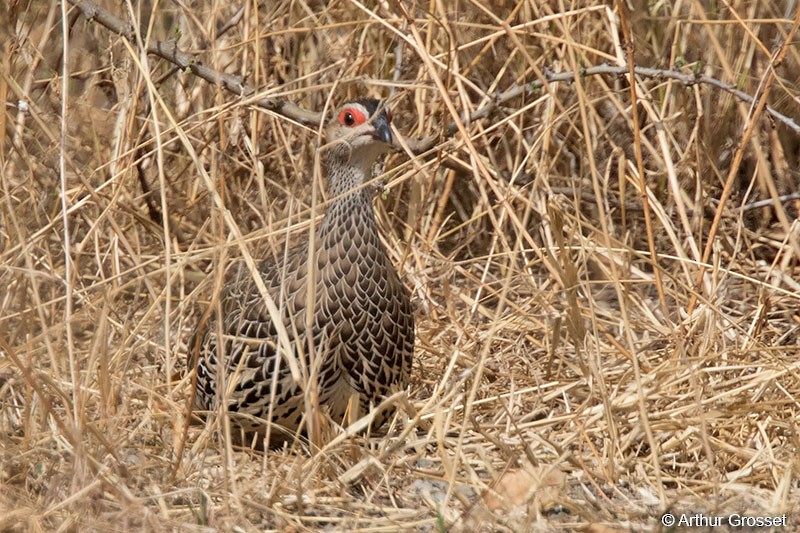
(362, 328)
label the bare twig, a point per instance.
(769, 201)
(169, 51)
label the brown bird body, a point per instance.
(360, 330)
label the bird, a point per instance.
(360, 328)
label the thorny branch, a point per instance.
(169, 51)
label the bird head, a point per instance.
(360, 132)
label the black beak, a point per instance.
(383, 132)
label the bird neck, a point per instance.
(351, 201)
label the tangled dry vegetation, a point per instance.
(586, 358)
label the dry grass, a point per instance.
(565, 377)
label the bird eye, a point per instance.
(351, 117)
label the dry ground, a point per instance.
(587, 358)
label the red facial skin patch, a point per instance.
(351, 117)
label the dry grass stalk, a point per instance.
(571, 372)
